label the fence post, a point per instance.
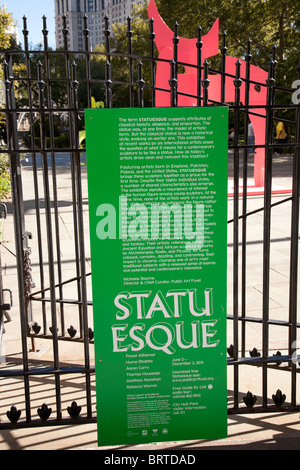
(294, 250)
(141, 83)
(173, 84)
(223, 76)
(18, 209)
(199, 45)
(107, 36)
(237, 83)
(245, 184)
(80, 211)
(205, 83)
(152, 53)
(267, 225)
(86, 33)
(54, 330)
(108, 82)
(130, 68)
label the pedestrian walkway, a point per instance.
(269, 431)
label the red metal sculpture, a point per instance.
(187, 81)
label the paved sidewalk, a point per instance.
(269, 431)
(255, 431)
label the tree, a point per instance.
(97, 73)
(8, 43)
(266, 23)
(57, 74)
(139, 26)
(6, 22)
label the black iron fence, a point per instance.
(55, 303)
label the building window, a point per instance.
(78, 6)
(58, 7)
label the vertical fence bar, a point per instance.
(174, 68)
(175, 47)
(41, 85)
(108, 82)
(86, 33)
(107, 37)
(173, 84)
(141, 84)
(152, 54)
(25, 34)
(34, 170)
(75, 131)
(16, 191)
(205, 83)
(223, 76)
(53, 169)
(130, 66)
(245, 184)
(237, 84)
(199, 45)
(267, 228)
(65, 32)
(73, 184)
(293, 294)
(108, 85)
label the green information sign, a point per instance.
(157, 182)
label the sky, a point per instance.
(34, 11)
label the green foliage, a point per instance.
(55, 124)
(97, 71)
(60, 142)
(54, 128)
(6, 22)
(6, 42)
(4, 177)
(266, 23)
